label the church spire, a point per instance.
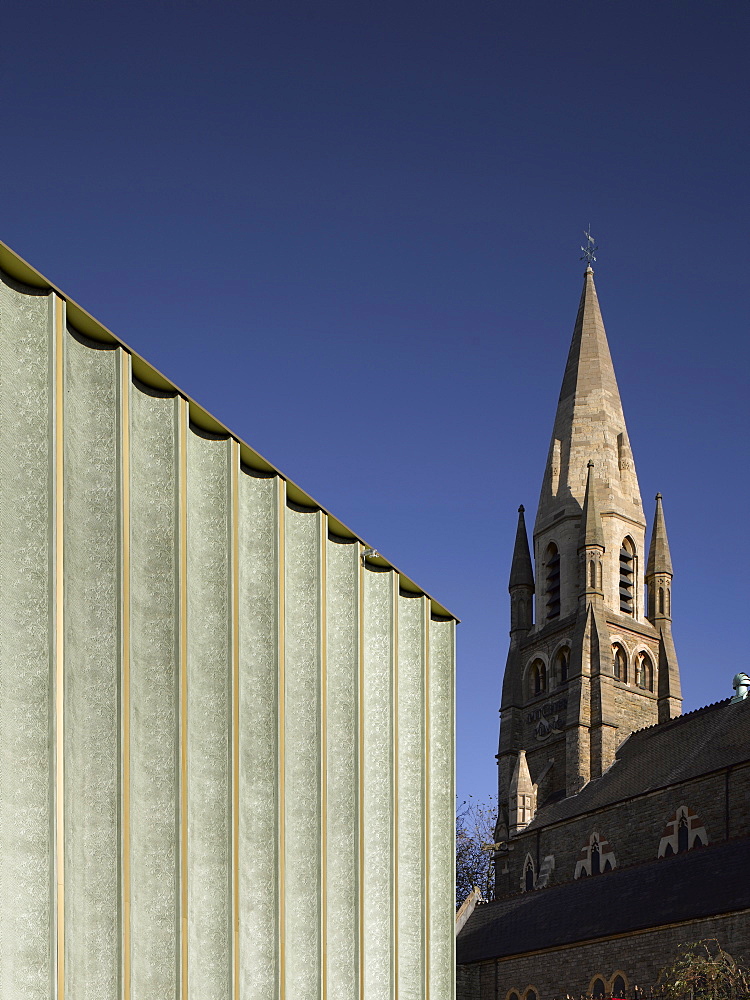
(589, 424)
(521, 573)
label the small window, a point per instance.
(512, 995)
(661, 600)
(598, 989)
(528, 879)
(627, 577)
(530, 995)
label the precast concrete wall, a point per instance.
(226, 738)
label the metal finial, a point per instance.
(590, 248)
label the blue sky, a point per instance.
(351, 232)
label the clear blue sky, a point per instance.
(351, 232)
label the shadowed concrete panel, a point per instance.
(441, 933)
(302, 780)
(342, 738)
(412, 621)
(377, 821)
(259, 773)
(209, 792)
(154, 691)
(92, 505)
(26, 803)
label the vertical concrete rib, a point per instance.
(124, 468)
(182, 506)
(154, 694)
(342, 761)
(410, 816)
(302, 741)
(59, 644)
(441, 846)
(209, 673)
(26, 666)
(259, 623)
(380, 589)
(234, 472)
(92, 612)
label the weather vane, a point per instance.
(590, 249)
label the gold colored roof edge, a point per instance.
(85, 323)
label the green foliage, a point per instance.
(704, 970)
(475, 829)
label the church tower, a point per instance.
(591, 656)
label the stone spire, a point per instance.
(659, 583)
(589, 424)
(521, 573)
(659, 560)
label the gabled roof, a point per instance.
(670, 752)
(700, 883)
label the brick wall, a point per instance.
(634, 828)
(637, 957)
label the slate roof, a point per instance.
(691, 745)
(700, 883)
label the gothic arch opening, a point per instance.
(537, 678)
(598, 989)
(619, 662)
(684, 831)
(627, 577)
(596, 857)
(619, 985)
(561, 666)
(644, 672)
(528, 879)
(552, 580)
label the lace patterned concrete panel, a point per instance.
(26, 630)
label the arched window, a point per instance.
(627, 577)
(530, 995)
(644, 672)
(684, 831)
(596, 857)
(552, 588)
(620, 663)
(669, 603)
(528, 878)
(661, 600)
(592, 574)
(598, 989)
(682, 834)
(537, 678)
(618, 986)
(512, 995)
(560, 667)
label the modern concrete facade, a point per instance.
(226, 724)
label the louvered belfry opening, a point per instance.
(553, 582)
(627, 576)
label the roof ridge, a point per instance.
(677, 718)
